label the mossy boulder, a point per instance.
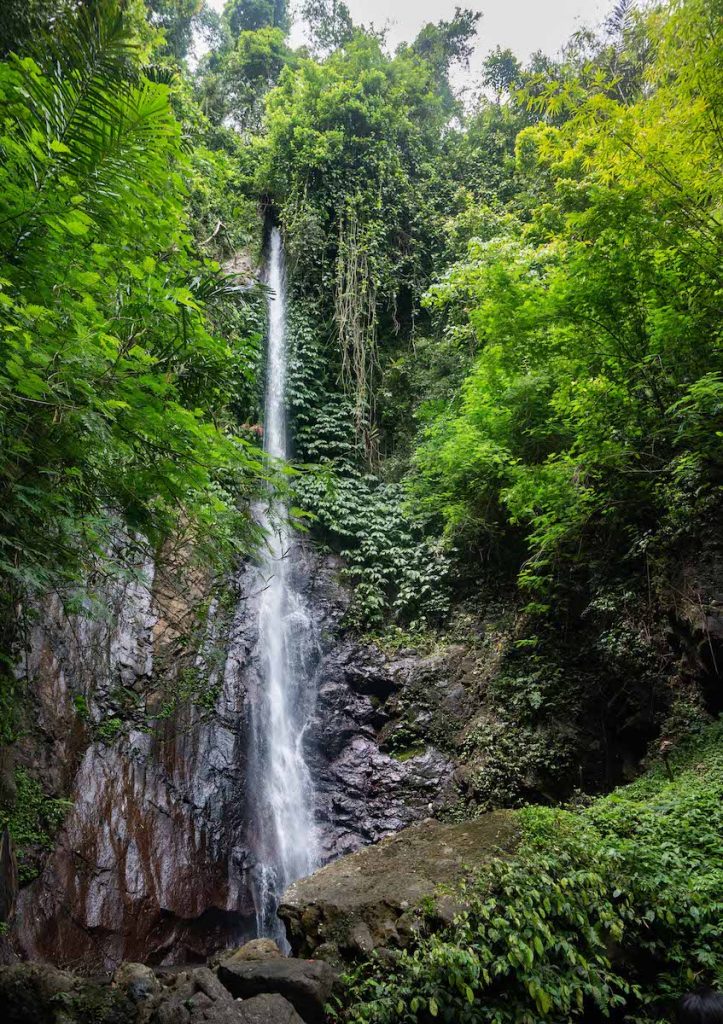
(41, 994)
(369, 899)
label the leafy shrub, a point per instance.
(32, 822)
(612, 911)
(513, 762)
(396, 571)
(108, 729)
(81, 706)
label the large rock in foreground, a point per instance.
(41, 994)
(367, 900)
(306, 984)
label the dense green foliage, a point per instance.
(32, 823)
(594, 322)
(349, 158)
(238, 72)
(609, 912)
(391, 564)
(113, 388)
(514, 363)
(119, 405)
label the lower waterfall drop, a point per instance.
(283, 795)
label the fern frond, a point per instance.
(87, 66)
(617, 20)
(89, 111)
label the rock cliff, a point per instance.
(139, 717)
(140, 720)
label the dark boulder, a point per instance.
(197, 997)
(256, 949)
(138, 981)
(27, 992)
(269, 1009)
(41, 994)
(307, 984)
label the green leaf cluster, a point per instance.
(33, 822)
(607, 913)
(114, 394)
(590, 418)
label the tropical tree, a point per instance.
(329, 24)
(252, 15)
(113, 393)
(594, 320)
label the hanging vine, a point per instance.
(355, 315)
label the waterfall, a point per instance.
(279, 779)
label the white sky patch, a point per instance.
(522, 25)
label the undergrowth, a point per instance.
(609, 912)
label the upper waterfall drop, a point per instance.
(283, 802)
(275, 442)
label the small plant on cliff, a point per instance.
(33, 822)
(108, 729)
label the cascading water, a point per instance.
(282, 790)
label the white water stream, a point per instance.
(282, 797)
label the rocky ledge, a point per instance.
(370, 899)
(254, 985)
(366, 900)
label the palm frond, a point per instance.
(210, 287)
(163, 74)
(617, 20)
(87, 66)
(88, 109)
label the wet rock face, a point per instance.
(153, 862)
(150, 863)
(86, 658)
(139, 869)
(363, 793)
(368, 899)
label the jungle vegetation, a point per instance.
(605, 912)
(506, 385)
